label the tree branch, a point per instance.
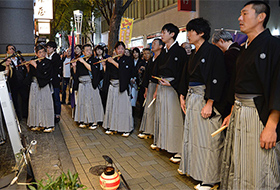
(109, 7)
(125, 6)
(103, 11)
(59, 19)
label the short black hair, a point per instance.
(160, 42)
(99, 47)
(171, 28)
(200, 25)
(40, 47)
(79, 46)
(260, 7)
(10, 45)
(119, 43)
(51, 44)
(146, 49)
(137, 50)
(86, 45)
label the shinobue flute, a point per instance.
(218, 131)
(25, 63)
(159, 78)
(74, 60)
(95, 62)
(23, 54)
(107, 59)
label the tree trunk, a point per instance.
(114, 32)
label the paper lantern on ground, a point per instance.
(109, 179)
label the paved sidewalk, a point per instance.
(142, 167)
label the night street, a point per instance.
(72, 148)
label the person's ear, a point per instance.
(261, 17)
(201, 34)
(222, 41)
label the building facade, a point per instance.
(150, 15)
(16, 24)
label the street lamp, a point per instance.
(78, 17)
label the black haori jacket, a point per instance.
(171, 64)
(149, 72)
(210, 60)
(126, 72)
(266, 49)
(57, 70)
(95, 71)
(43, 72)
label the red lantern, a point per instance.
(109, 179)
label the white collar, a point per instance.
(246, 44)
(169, 47)
(50, 57)
(229, 45)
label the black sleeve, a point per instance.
(147, 74)
(217, 76)
(44, 72)
(179, 68)
(184, 81)
(96, 73)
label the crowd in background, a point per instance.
(184, 94)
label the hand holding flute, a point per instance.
(29, 62)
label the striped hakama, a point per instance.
(148, 119)
(40, 106)
(245, 164)
(89, 108)
(118, 115)
(168, 127)
(201, 154)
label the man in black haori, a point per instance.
(251, 153)
(57, 72)
(89, 109)
(15, 81)
(150, 84)
(168, 116)
(201, 90)
(40, 108)
(118, 72)
(223, 39)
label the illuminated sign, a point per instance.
(44, 28)
(43, 9)
(186, 5)
(126, 30)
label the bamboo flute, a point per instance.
(27, 62)
(218, 131)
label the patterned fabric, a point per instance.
(118, 115)
(201, 154)
(89, 108)
(40, 108)
(245, 164)
(168, 132)
(148, 119)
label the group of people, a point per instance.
(185, 95)
(35, 86)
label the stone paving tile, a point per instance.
(134, 181)
(135, 187)
(167, 180)
(181, 185)
(146, 185)
(152, 162)
(157, 175)
(153, 181)
(142, 167)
